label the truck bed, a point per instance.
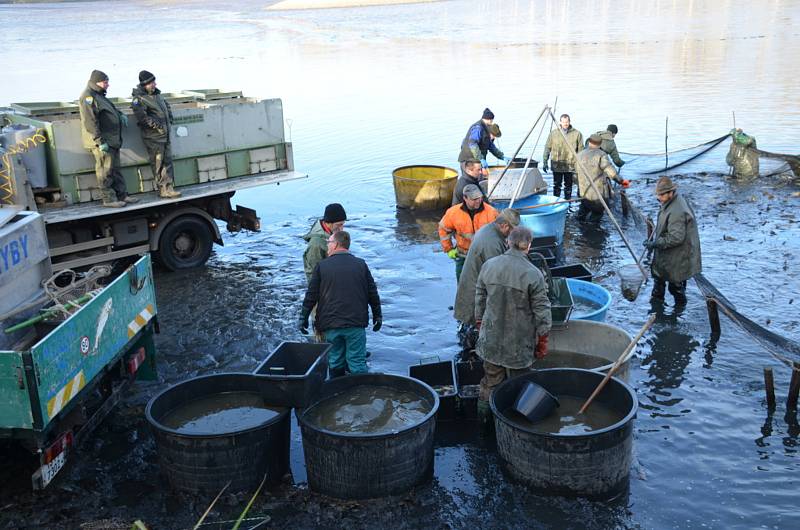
(150, 199)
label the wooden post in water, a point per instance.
(769, 388)
(713, 316)
(794, 388)
(666, 147)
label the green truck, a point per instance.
(68, 349)
(222, 142)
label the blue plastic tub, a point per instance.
(544, 221)
(592, 293)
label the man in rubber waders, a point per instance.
(594, 167)
(609, 145)
(317, 236)
(562, 153)
(512, 313)
(101, 128)
(342, 288)
(489, 241)
(461, 222)
(472, 174)
(480, 140)
(675, 244)
(154, 117)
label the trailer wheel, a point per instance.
(185, 243)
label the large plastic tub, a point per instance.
(291, 375)
(594, 464)
(363, 466)
(543, 221)
(590, 292)
(591, 339)
(204, 463)
(424, 187)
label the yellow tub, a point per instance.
(424, 187)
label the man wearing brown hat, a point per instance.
(489, 241)
(101, 132)
(480, 140)
(594, 172)
(461, 222)
(675, 243)
(154, 116)
(317, 236)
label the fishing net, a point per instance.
(735, 154)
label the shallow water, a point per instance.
(369, 90)
(583, 307)
(565, 418)
(220, 413)
(367, 409)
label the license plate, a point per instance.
(49, 470)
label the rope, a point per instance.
(6, 182)
(676, 151)
(711, 145)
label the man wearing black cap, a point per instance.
(101, 128)
(317, 237)
(608, 145)
(154, 117)
(480, 140)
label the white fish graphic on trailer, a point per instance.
(105, 313)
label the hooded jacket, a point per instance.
(317, 248)
(100, 119)
(563, 153)
(462, 223)
(487, 243)
(153, 114)
(598, 170)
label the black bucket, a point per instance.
(363, 466)
(535, 402)
(204, 463)
(291, 375)
(595, 465)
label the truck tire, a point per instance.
(185, 243)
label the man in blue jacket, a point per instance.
(480, 140)
(342, 287)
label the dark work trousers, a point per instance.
(558, 177)
(109, 178)
(677, 290)
(591, 209)
(160, 162)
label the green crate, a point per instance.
(238, 163)
(185, 171)
(560, 301)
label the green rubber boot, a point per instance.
(485, 419)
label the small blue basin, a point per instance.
(544, 221)
(589, 294)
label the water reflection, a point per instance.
(670, 353)
(415, 227)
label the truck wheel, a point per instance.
(185, 243)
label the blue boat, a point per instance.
(544, 221)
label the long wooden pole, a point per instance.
(603, 202)
(618, 363)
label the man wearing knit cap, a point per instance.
(608, 145)
(675, 242)
(461, 222)
(480, 140)
(101, 131)
(594, 173)
(154, 116)
(317, 236)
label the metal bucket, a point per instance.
(424, 187)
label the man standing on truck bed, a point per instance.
(101, 125)
(154, 117)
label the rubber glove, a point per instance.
(649, 244)
(545, 167)
(541, 347)
(124, 119)
(484, 163)
(104, 147)
(478, 325)
(303, 322)
(452, 253)
(626, 183)
(506, 159)
(377, 323)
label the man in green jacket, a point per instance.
(563, 155)
(489, 241)
(512, 312)
(608, 145)
(101, 131)
(317, 236)
(594, 167)
(154, 117)
(676, 244)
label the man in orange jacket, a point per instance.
(461, 221)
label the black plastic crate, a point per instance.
(441, 377)
(577, 271)
(544, 241)
(291, 375)
(468, 375)
(548, 253)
